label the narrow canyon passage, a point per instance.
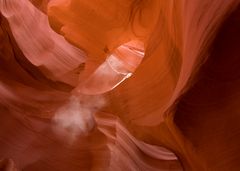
(121, 85)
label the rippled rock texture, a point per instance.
(119, 85)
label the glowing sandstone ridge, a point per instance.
(119, 85)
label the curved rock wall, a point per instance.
(147, 85)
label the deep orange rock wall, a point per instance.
(119, 85)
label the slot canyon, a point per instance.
(120, 85)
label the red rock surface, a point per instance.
(121, 85)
